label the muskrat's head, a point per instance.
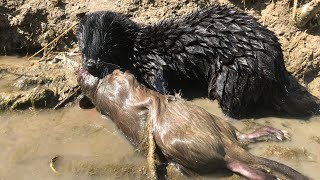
(126, 80)
(88, 83)
(106, 41)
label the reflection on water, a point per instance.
(92, 148)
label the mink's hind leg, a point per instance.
(264, 133)
(247, 171)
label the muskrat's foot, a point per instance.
(265, 133)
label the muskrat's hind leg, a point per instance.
(247, 171)
(264, 133)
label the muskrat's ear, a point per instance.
(129, 75)
(117, 72)
(127, 72)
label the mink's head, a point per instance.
(106, 42)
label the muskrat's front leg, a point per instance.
(85, 102)
(264, 133)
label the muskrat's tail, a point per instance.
(245, 156)
(281, 168)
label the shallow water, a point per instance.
(90, 146)
(14, 60)
(8, 79)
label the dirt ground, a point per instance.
(27, 26)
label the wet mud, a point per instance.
(89, 146)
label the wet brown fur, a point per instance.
(186, 134)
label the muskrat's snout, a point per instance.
(81, 74)
(85, 78)
(87, 82)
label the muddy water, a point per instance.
(7, 79)
(90, 146)
(87, 145)
(13, 60)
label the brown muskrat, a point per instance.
(187, 135)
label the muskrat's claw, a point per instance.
(280, 135)
(286, 135)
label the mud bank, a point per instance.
(26, 26)
(38, 83)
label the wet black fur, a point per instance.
(220, 50)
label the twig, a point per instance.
(76, 91)
(56, 39)
(151, 150)
(294, 11)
